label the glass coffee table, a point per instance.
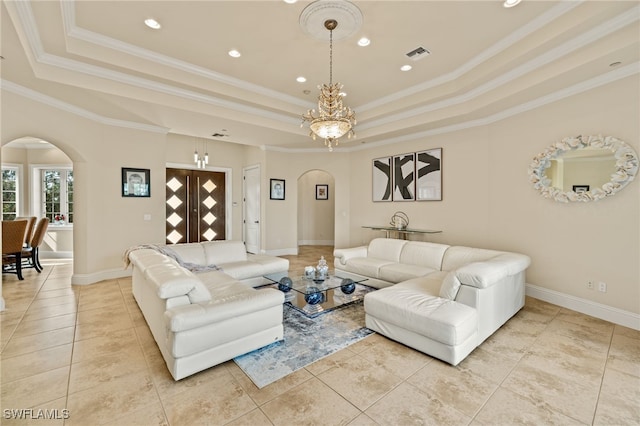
(313, 296)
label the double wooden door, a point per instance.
(195, 206)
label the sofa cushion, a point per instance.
(450, 286)
(429, 284)
(143, 258)
(385, 249)
(220, 252)
(189, 252)
(398, 272)
(243, 269)
(367, 266)
(457, 256)
(442, 320)
(269, 264)
(423, 253)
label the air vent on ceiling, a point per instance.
(418, 53)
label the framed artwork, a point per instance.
(580, 188)
(277, 189)
(136, 182)
(322, 192)
(404, 184)
(429, 175)
(381, 180)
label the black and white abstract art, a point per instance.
(404, 177)
(382, 180)
(429, 175)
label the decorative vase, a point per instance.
(322, 268)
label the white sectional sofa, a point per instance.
(200, 319)
(441, 300)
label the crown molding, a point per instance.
(484, 56)
(606, 28)
(73, 31)
(29, 28)
(610, 77)
(63, 106)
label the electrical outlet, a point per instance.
(590, 285)
(602, 287)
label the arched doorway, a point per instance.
(43, 185)
(316, 208)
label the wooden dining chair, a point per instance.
(12, 245)
(28, 233)
(31, 253)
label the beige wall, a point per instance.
(281, 216)
(316, 218)
(489, 202)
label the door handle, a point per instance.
(257, 221)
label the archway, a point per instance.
(44, 176)
(316, 208)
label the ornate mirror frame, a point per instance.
(626, 168)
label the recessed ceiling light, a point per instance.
(510, 3)
(152, 23)
(405, 68)
(343, 94)
(290, 1)
(301, 79)
(234, 53)
(364, 42)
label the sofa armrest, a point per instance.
(196, 315)
(171, 280)
(343, 255)
(485, 274)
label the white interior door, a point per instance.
(251, 209)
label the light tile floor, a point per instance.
(87, 349)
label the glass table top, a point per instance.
(313, 296)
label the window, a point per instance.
(57, 195)
(9, 193)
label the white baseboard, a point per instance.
(588, 307)
(110, 274)
(56, 255)
(316, 242)
(283, 252)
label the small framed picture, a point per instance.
(580, 188)
(277, 189)
(136, 182)
(322, 192)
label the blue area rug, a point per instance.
(306, 340)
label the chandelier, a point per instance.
(333, 120)
(201, 161)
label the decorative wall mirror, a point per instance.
(583, 168)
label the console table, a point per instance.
(401, 233)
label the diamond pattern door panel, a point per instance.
(195, 206)
(210, 200)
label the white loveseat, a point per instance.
(441, 300)
(204, 318)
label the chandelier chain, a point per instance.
(330, 57)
